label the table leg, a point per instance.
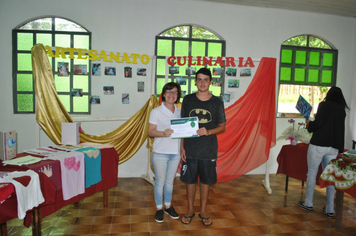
(36, 222)
(339, 202)
(286, 189)
(105, 198)
(3, 228)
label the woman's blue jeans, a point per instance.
(317, 154)
(165, 167)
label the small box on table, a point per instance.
(8, 145)
(71, 133)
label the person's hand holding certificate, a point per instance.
(185, 127)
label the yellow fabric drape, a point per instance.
(50, 113)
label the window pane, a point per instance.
(200, 33)
(328, 59)
(300, 57)
(300, 40)
(24, 41)
(40, 24)
(81, 41)
(80, 104)
(216, 90)
(62, 83)
(24, 82)
(214, 49)
(181, 48)
(287, 56)
(193, 86)
(164, 47)
(45, 39)
(178, 32)
(81, 82)
(299, 75)
(286, 74)
(65, 25)
(314, 59)
(318, 43)
(181, 70)
(24, 62)
(25, 102)
(326, 76)
(65, 99)
(62, 40)
(161, 67)
(160, 85)
(198, 49)
(313, 76)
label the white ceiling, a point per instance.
(345, 8)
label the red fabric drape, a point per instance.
(250, 126)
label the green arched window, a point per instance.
(183, 41)
(51, 31)
(308, 67)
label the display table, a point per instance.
(292, 161)
(343, 176)
(52, 190)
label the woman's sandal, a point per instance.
(189, 218)
(204, 219)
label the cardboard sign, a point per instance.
(8, 145)
(71, 133)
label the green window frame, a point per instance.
(308, 65)
(51, 31)
(188, 40)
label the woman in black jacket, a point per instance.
(327, 141)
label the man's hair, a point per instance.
(204, 71)
(170, 86)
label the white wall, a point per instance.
(131, 26)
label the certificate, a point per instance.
(185, 127)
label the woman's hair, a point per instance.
(169, 86)
(335, 94)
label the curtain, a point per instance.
(50, 113)
(250, 126)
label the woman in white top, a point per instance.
(166, 151)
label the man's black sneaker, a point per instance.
(159, 216)
(172, 213)
(301, 205)
(330, 215)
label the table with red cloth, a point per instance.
(343, 176)
(109, 173)
(5, 191)
(292, 161)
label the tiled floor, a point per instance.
(238, 207)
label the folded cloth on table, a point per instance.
(92, 165)
(28, 196)
(350, 153)
(72, 173)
